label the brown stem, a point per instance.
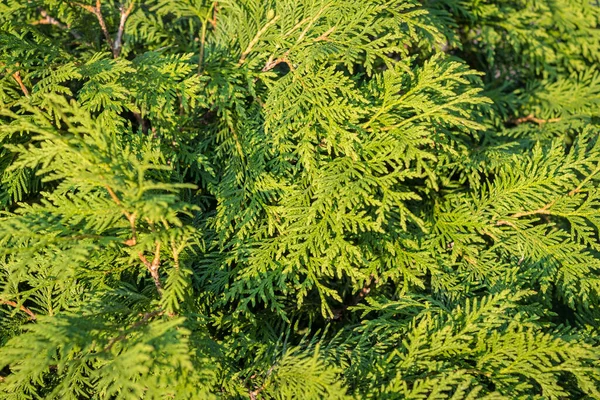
(531, 118)
(153, 266)
(26, 310)
(97, 11)
(363, 292)
(17, 76)
(256, 392)
(141, 121)
(545, 210)
(119, 39)
(131, 217)
(273, 63)
(583, 182)
(113, 195)
(50, 20)
(215, 9)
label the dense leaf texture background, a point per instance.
(277, 199)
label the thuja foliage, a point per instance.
(277, 199)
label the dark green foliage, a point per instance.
(278, 199)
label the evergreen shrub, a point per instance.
(299, 199)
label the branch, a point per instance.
(113, 195)
(131, 217)
(363, 292)
(213, 22)
(215, 9)
(124, 15)
(153, 266)
(325, 35)
(50, 20)
(133, 240)
(583, 182)
(26, 310)
(116, 199)
(256, 39)
(531, 118)
(97, 11)
(256, 392)
(17, 77)
(271, 63)
(545, 210)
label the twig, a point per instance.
(583, 182)
(273, 63)
(504, 222)
(325, 35)
(298, 25)
(118, 40)
(17, 77)
(531, 118)
(256, 39)
(141, 121)
(26, 310)
(256, 392)
(363, 292)
(213, 22)
(215, 9)
(97, 11)
(133, 240)
(50, 20)
(153, 266)
(310, 24)
(545, 210)
(113, 195)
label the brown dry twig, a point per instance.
(325, 35)
(97, 11)
(153, 266)
(17, 77)
(26, 310)
(531, 118)
(215, 10)
(50, 20)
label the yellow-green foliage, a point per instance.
(299, 199)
